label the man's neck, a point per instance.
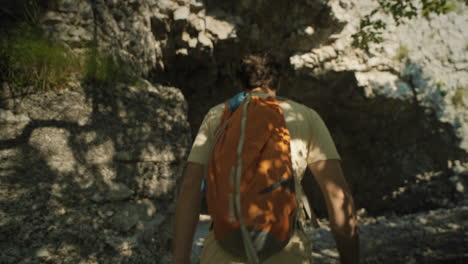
(264, 90)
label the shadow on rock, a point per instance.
(89, 173)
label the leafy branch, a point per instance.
(370, 28)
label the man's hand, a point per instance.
(340, 205)
(187, 213)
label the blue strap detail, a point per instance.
(237, 100)
(203, 186)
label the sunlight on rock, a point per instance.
(88, 137)
(330, 253)
(61, 211)
(89, 168)
(150, 206)
(56, 190)
(124, 246)
(43, 252)
(53, 144)
(60, 165)
(107, 175)
(152, 152)
(101, 154)
(386, 83)
(220, 28)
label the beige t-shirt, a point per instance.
(310, 138)
(310, 142)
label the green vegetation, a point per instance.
(460, 97)
(439, 86)
(370, 29)
(33, 63)
(32, 11)
(402, 53)
(28, 11)
(455, 5)
(107, 68)
(451, 6)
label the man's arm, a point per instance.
(340, 205)
(187, 212)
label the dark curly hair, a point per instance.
(259, 70)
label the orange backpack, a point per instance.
(250, 186)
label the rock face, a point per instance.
(122, 27)
(88, 174)
(102, 162)
(397, 111)
(424, 61)
(191, 44)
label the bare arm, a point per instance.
(340, 205)
(187, 213)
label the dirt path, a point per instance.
(438, 236)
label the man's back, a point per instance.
(310, 142)
(311, 146)
(310, 138)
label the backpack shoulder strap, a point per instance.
(237, 100)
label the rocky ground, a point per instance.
(438, 236)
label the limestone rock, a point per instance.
(205, 40)
(125, 218)
(197, 23)
(166, 5)
(181, 13)
(219, 28)
(6, 116)
(69, 176)
(116, 192)
(397, 113)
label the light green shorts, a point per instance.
(297, 251)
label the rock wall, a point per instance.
(120, 27)
(190, 44)
(397, 113)
(424, 61)
(89, 173)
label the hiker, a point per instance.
(259, 140)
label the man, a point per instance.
(311, 146)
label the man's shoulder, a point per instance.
(291, 105)
(214, 113)
(218, 107)
(216, 110)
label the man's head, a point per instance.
(259, 70)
